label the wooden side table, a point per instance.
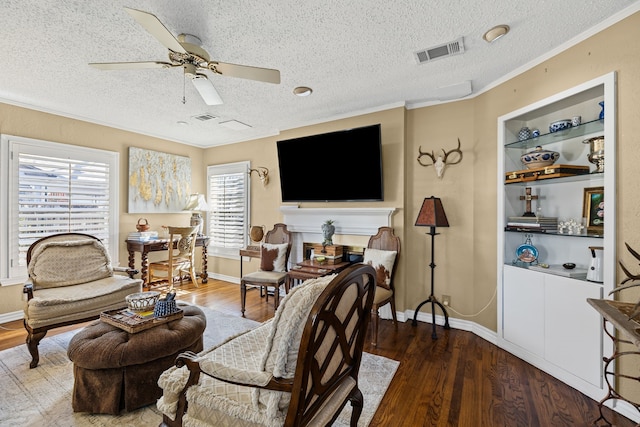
(617, 313)
(309, 269)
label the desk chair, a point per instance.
(180, 260)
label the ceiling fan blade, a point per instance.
(208, 93)
(153, 25)
(267, 75)
(130, 65)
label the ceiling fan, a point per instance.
(185, 52)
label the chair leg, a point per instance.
(374, 325)
(393, 310)
(243, 295)
(194, 278)
(357, 402)
(33, 339)
(276, 296)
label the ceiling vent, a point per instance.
(204, 117)
(455, 47)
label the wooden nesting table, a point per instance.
(309, 269)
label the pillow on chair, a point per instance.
(382, 261)
(272, 256)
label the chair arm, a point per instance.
(28, 289)
(190, 359)
(130, 271)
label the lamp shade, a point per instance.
(196, 202)
(432, 213)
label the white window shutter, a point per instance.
(228, 190)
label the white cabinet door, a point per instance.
(573, 329)
(523, 308)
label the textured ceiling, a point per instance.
(358, 56)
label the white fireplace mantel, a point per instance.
(354, 221)
(305, 224)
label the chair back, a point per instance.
(331, 346)
(387, 241)
(279, 234)
(63, 237)
(186, 246)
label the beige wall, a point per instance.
(37, 125)
(466, 251)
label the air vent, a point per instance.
(455, 47)
(204, 117)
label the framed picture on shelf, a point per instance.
(593, 209)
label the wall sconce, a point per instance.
(263, 174)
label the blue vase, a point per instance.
(601, 116)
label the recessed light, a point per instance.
(183, 123)
(302, 91)
(495, 33)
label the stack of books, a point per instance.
(143, 235)
(532, 223)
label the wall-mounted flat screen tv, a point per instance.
(332, 167)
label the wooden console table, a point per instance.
(144, 247)
(617, 313)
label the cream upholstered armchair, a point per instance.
(71, 280)
(298, 369)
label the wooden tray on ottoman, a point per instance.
(132, 322)
(546, 172)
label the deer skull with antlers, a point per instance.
(439, 162)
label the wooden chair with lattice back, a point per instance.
(382, 252)
(180, 260)
(274, 257)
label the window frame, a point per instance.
(227, 168)
(10, 147)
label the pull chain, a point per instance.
(184, 89)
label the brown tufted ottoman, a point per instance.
(116, 370)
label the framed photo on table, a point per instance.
(593, 209)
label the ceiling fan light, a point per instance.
(495, 33)
(208, 93)
(302, 91)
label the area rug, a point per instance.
(42, 396)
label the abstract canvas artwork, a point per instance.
(158, 182)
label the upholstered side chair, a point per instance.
(71, 280)
(382, 252)
(180, 260)
(299, 369)
(274, 259)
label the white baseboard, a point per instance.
(10, 317)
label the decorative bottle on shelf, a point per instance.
(524, 133)
(601, 116)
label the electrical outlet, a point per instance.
(446, 300)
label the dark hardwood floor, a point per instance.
(457, 380)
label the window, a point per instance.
(55, 188)
(228, 194)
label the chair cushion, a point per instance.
(273, 257)
(382, 261)
(265, 277)
(66, 263)
(68, 303)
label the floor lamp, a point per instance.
(432, 215)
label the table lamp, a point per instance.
(432, 215)
(196, 204)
